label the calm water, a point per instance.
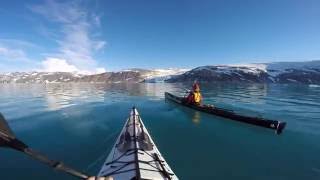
(78, 123)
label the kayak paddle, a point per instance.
(8, 140)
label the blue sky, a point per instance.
(98, 35)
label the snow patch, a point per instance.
(160, 75)
(314, 86)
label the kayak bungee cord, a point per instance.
(164, 171)
(118, 165)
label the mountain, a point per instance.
(113, 77)
(39, 77)
(162, 75)
(129, 75)
(133, 75)
(278, 72)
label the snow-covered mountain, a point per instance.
(134, 75)
(129, 75)
(39, 77)
(162, 75)
(278, 72)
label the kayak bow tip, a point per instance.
(280, 127)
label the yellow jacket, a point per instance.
(197, 97)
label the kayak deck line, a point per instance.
(278, 126)
(136, 159)
(132, 151)
(134, 155)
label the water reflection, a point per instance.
(196, 117)
(248, 99)
(60, 96)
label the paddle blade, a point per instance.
(7, 138)
(4, 127)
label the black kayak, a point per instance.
(278, 126)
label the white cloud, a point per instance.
(100, 70)
(57, 65)
(12, 54)
(76, 45)
(99, 45)
(18, 43)
(96, 20)
(63, 12)
(61, 65)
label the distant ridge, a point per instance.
(129, 75)
(277, 72)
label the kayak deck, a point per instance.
(278, 126)
(134, 155)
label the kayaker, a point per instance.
(195, 96)
(195, 86)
